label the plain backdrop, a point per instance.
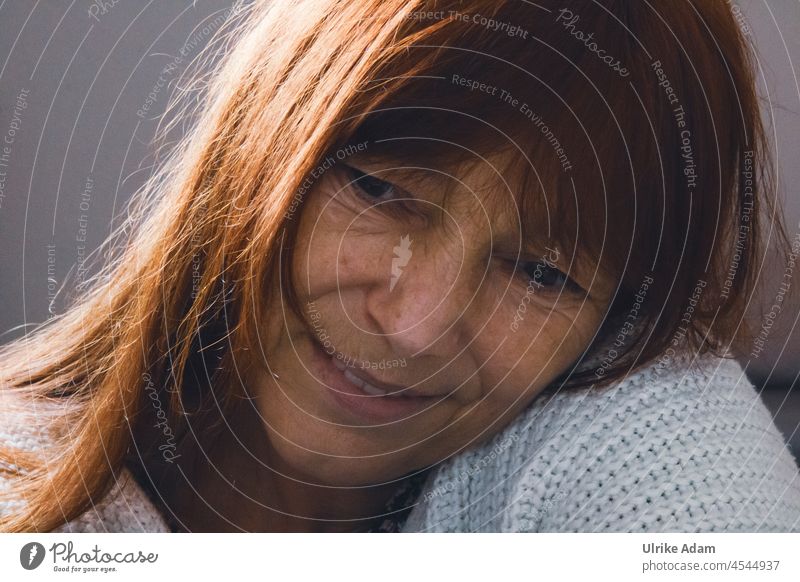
(85, 70)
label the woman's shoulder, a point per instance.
(686, 395)
(125, 508)
(686, 446)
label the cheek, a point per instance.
(524, 359)
(316, 247)
(333, 250)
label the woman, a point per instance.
(425, 266)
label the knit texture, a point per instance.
(126, 508)
(689, 448)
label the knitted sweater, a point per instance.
(688, 448)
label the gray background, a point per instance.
(89, 66)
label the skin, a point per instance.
(450, 316)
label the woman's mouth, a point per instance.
(363, 397)
(366, 386)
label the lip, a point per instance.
(373, 386)
(346, 395)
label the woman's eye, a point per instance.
(371, 188)
(543, 276)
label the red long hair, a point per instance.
(173, 311)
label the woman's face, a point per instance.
(427, 323)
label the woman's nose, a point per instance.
(423, 308)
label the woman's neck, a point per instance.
(235, 482)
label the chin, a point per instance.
(336, 459)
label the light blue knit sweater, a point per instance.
(687, 449)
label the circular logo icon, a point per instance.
(31, 555)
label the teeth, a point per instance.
(370, 389)
(354, 379)
(365, 386)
